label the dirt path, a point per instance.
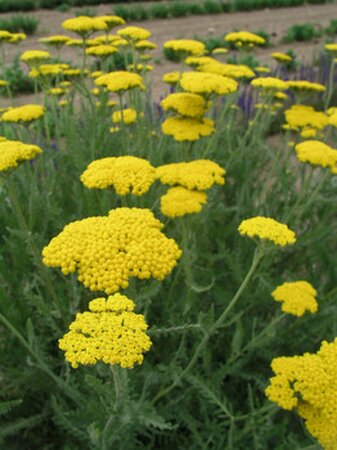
(274, 22)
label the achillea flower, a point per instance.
(236, 71)
(309, 383)
(179, 201)
(56, 91)
(301, 116)
(72, 73)
(48, 70)
(145, 45)
(34, 57)
(17, 37)
(141, 67)
(244, 38)
(267, 229)
(171, 77)
(331, 47)
(120, 81)
(58, 40)
(269, 84)
(5, 36)
(127, 174)
(333, 119)
(196, 61)
(3, 83)
(110, 332)
(187, 129)
(112, 21)
(280, 95)
(134, 34)
(108, 251)
(281, 57)
(318, 154)
(185, 104)
(200, 174)
(84, 25)
(184, 46)
(102, 50)
(14, 152)
(26, 114)
(305, 86)
(219, 51)
(207, 83)
(297, 297)
(128, 116)
(262, 69)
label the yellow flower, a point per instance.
(128, 116)
(297, 297)
(76, 43)
(179, 201)
(134, 33)
(5, 37)
(72, 72)
(308, 133)
(26, 113)
(318, 154)
(17, 37)
(244, 38)
(110, 332)
(331, 47)
(120, 81)
(186, 46)
(189, 105)
(281, 57)
(48, 70)
(300, 116)
(127, 174)
(84, 25)
(269, 84)
(108, 251)
(145, 45)
(56, 91)
(305, 86)
(57, 40)
(333, 118)
(171, 77)
(309, 383)
(187, 129)
(141, 67)
(200, 174)
(236, 71)
(207, 83)
(34, 57)
(280, 95)
(14, 152)
(262, 69)
(112, 21)
(196, 61)
(101, 50)
(219, 51)
(267, 228)
(3, 83)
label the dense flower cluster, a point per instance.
(207, 83)
(305, 86)
(172, 77)
(309, 383)
(110, 332)
(267, 228)
(102, 50)
(128, 116)
(281, 57)
(112, 21)
(187, 129)
(34, 57)
(26, 113)
(200, 174)
(127, 174)
(120, 81)
(269, 84)
(302, 116)
(297, 297)
(107, 251)
(186, 46)
(318, 154)
(13, 152)
(235, 71)
(84, 25)
(58, 40)
(134, 34)
(244, 38)
(185, 104)
(179, 201)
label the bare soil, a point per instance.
(272, 21)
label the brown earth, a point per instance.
(273, 21)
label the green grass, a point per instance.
(20, 23)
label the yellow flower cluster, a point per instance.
(331, 47)
(185, 104)
(33, 57)
(120, 81)
(110, 332)
(145, 45)
(244, 38)
(179, 201)
(186, 46)
(127, 174)
(112, 21)
(269, 84)
(102, 50)
(11, 38)
(200, 174)
(309, 383)
(13, 152)
(107, 251)
(267, 228)
(49, 70)
(297, 297)
(26, 113)
(58, 40)
(134, 34)
(171, 77)
(127, 115)
(196, 61)
(187, 129)
(306, 86)
(301, 116)
(281, 57)
(207, 83)
(236, 71)
(84, 25)
(318, 154)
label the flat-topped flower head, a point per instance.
(16, 38)
(262, 69)
(244, 38)
(58, 40)
(185, 104)
(305, 86)
(179, 201)
(185, 46)
(235, 71)
(120, 81)
(302, 116)
(207, 83)
(281, 57)
(128, 116)
(127, 174)
(101, 51)
(200, 174)
(110, 332)
(187, 129)
(269, 229)
(84, 25)
(48, 70)
(269, 84)
(112, 21)
(107, 251)
(196, 61)
(5, 37)
(318, 154)
(12, 153)
(297, 297)
(145, 45)
(24, 114)
(332, 48)
(35, 57)
(134, 34)
(172, 77)
(309, 384)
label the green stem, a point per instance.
(329, 91)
